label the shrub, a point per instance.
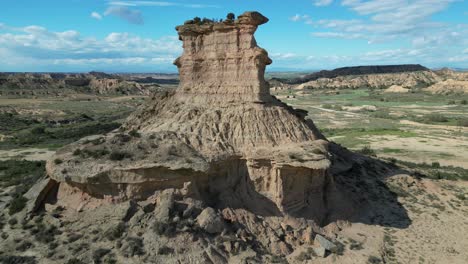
(436, 118)
(119, 155)
(18, 259)
(451, 102)
(74, 261)
(381, 114)
(99, 254)
(231, 16)
(134, 133)
(58, 161)
(435, 164)
(25, 245)
(463, 102)
(115, 232)
(164, 250)
(38, 131)
(134, 247)
(77, 152)
(12, 221)
(45, 234)
(373, 260)
(462, 122)
(367, 150)
(164, 229)
(17, 204)
(124, 138)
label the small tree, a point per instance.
(231, 16)
(197, 20)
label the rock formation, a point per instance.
(37, 84)
(375, 81)
(449, 86)
(220, 134)
(358, 70)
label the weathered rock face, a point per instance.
(220, 137)
(12, 84)
(223, 60)
(416, 79)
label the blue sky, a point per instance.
(139, 36)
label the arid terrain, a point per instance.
(135, 169)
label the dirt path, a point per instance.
(27, 154)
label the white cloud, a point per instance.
(159, 4)
(383, 21)
(35, 45)
(125, 13)
(323, 2)
(96, 15)
(305, 18)
(337, 35)
(283, 56)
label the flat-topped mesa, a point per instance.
(221, 60)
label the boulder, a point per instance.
(210, 221)
(37, 194)
(325, 243)
(320, 251)
(164, 206)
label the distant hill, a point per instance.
(357, 70)
(58, 84)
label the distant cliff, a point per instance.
(357, 70)
(57, 84)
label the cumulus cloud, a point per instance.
(384, 21)
(38, 46)
(96, 15)
(323, 2)
(125, 13)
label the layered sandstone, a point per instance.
(37, 84)
(375, 81)
(220, 134)
(449, 86)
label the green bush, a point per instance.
(134, 133)
(99, 254)
(74, 261)
(367, 150)
(115, 232)
(462, 122)
(164, 250)
(119, 155)
(438, 118)
(17, 204)
(38, 131)
(435, 164)
(164, 229)
(17, 259)
(374, 260)
(58, 161)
